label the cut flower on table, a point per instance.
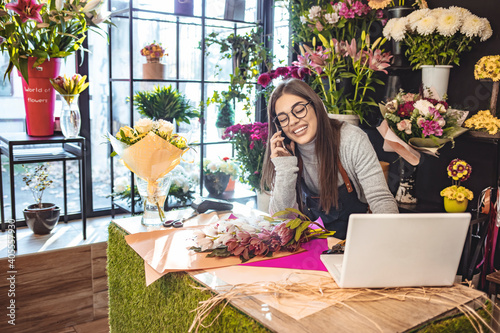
(416, 123)
(248, 238)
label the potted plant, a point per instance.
(217, 174)
(40, 217)
(36, 35)
(436, 38)
(153, 69)
(457, 197)
(164, 103)
(225, 117)
(248, 55)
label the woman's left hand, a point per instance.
(278, 146)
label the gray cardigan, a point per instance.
(358, 159)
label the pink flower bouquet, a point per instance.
(416, 123)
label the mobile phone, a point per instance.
(287, 141)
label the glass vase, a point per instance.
(153, 196)
(70, 116)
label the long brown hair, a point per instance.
(327, 142)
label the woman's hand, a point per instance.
(278, 146)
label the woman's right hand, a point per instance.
(278, 146)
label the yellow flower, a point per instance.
(458, 193)
(379, 4)
(483, 120)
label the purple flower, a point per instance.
(431, 127)
(284, 233)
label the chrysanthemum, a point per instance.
(472, 26)
(379, 4)
(448, 23)
(460, 11)
(389, 27)
(423, 107)
(437, 12)
(416, 16)
(487, 31)
(426, 25)
(399, 29)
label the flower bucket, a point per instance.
(263, 201)
(216, 183)
(348, 118)
(40, 97)
(437, 77)
(454, 206)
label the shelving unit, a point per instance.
(189, 69)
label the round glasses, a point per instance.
(298, 110)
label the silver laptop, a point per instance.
(400, 250)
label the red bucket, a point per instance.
(40, 97)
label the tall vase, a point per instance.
(263, 201)
(40, 96)
(153, 71)
(399, 64)
(70, 118)
(436, 77)
(153, 195)
(407, 181)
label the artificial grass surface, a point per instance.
(165, 305)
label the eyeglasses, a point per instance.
(299, 111)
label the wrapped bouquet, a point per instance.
(150, 150)
(416, 123)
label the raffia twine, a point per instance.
(326, 290)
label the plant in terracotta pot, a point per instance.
(164, 103)
(40, 217)
(218, 173)
(457, 197)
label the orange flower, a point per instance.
(379, 4)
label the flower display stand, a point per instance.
(153, 71)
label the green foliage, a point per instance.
(165, 305)
(164, 103)
(248, 54)
(225, 117)
(435, 49)
(37, 179)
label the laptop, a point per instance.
(400, 250)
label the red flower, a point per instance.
(405, 110)
(264, 79)
(27, 10)
(282, 71)
(225, 159)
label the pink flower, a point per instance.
(404, 125)
(431, 127)
(27, 10)
(264, 79)
(282, 71)
(285, 234)
(319, 26)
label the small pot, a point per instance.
(454, 206)
(42, 220)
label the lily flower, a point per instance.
(27, 10)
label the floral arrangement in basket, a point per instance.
(249, 142)
(483, 121)
(150, 150)
(458, 171)
(70, 87)
(153, 52)
(224, 165)
(262, 237)
(438, 36)
(419, 122)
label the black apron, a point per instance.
(337, 219)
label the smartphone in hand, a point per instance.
(286, 142)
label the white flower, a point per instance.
(473, 25)
(426, 25)
(332, 18)
(59, 4)
(205, 243)
(101, 16)
(460, 11)
(303, 19)
(91, 5)
(210, 230)
(399, 29)
(185, 188)
(314, 12)
(437, 12)
(225, 237)
(144, 125)
(165, 127)
(423, 106)
(420, 121)
(121, 184)
(441, 122)
(337, 6)
(389, 28)
(392, 106)
(440, 107)
(487, 31)
(449, 23)
(212, 167)
(416, 16)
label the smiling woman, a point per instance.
(328, 168)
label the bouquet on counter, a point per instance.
(247, 238)
(150, 150)
(416, 123)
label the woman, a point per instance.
(324, 167)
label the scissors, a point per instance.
(179, 223)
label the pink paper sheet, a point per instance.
(308, 260)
